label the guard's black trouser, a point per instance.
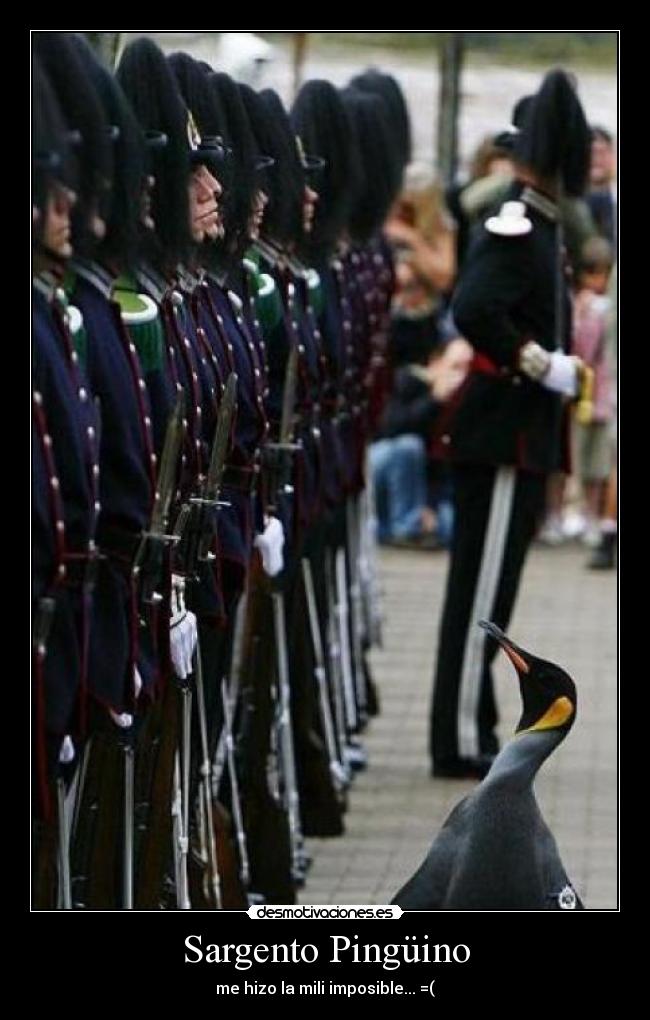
(497, 510)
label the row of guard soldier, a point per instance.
(210, 309)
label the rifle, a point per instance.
(214, 875)
(101, 820)
(206, 820)
(155, 845)
(198, 530)
(47, 834)
(149, 568)
(341, 613)
(277, 480)
(171, 772)
(278, 456)
(98, 817)
(336, 668)
(267, 830)
(353, 541)
(225, 755)
(340, 776)
(148, 565)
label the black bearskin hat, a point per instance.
(381, 165)
(120, 245)
(51, 156)
(84, 115)
(285, 180)
(387, 88)
(554, 141)
(245, 176)
(149, 84)
(195, 82)
(191, 78)
(321, 120)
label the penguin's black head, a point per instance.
(548, 693)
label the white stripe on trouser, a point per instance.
(494, 545)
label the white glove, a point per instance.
(562, 375)
(67, 752)
(554, 370)
(182, 641)
(124, 720)
(270, 544)
(183, 631)
(183, 638)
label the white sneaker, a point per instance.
(574, 524)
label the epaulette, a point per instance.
(315, 291)
(511, 221)
(268, 304)
(140, 315)
(73, 318)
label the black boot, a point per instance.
(603, 556)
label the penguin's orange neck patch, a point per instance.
(520, 664)
(555, 716)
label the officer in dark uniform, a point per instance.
(324, 127)
(184, 206)
(64, 496)
(365, 282)
(505, 429)
(320, 119)
(252, 774)
(105, 241)
(127, 445)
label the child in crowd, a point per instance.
(594, 449)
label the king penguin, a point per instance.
(495, 851)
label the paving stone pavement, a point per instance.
(564, 613)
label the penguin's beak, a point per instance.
(515, 654)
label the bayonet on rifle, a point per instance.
(167, 471)
(289, 397)
(200, 533)
(278, 454)
(217, 465)
(156, 536)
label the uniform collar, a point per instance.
(46, 285)
(152, 282)
(219, 278)
(187, 281)
(269, 251)
(96, 275)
